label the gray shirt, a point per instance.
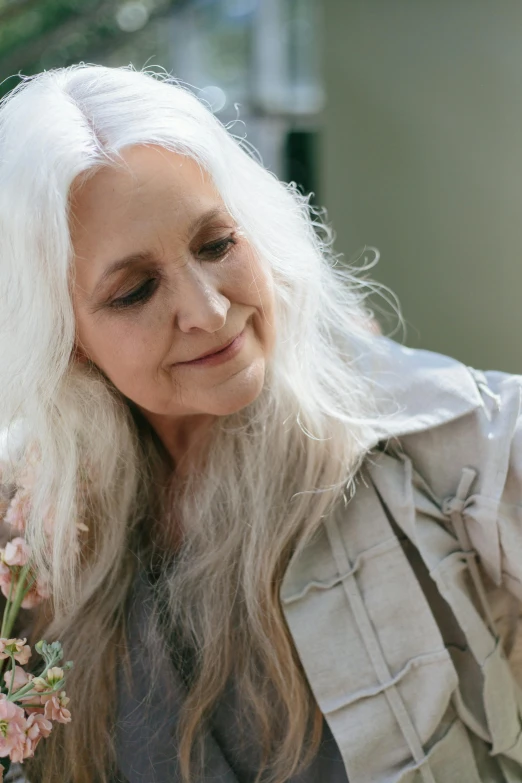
(146, 726)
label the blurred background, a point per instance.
(403, 117)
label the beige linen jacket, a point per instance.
(405, 606)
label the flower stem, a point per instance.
(4, 620)
(6, 611)
(27, 690)
(16, 603)
(13, 669)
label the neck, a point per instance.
(184, 438)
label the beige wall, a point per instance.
(422, 157)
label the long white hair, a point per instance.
(271, 472)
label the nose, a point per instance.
(201, 304)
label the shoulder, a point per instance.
(447, 417)
(418, 390)
(460, 431)
(421, 392)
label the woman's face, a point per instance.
(164, 275)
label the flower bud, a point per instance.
(54, 675)
(40, 684)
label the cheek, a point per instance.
(258, 291)
(249, 281)
(123, 344)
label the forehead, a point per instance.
(152, 188)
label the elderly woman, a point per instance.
(281, 548)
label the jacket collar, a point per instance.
(417, 389)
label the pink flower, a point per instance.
(18, 510)
(17, 648)
(5, 589)
(37, 726)
(12, 729)
(17, 753)
(21, 678)
(6, 577)
(39, 592)
(38, 723)
(16, 552)
(55, 707)
(34, 708)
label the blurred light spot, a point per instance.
(238, 8)
(132, 16)
(214, 96)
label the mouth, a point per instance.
(219, 355)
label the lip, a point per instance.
(220, 355)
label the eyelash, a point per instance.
(145, 291)
(219, 248)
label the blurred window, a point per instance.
(256, 60)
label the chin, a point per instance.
(242, 390)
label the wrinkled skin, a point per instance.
(190, 284)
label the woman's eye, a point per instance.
(217, 249)
(138, 296)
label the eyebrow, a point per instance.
(147, 257)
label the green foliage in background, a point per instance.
(37, 35)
